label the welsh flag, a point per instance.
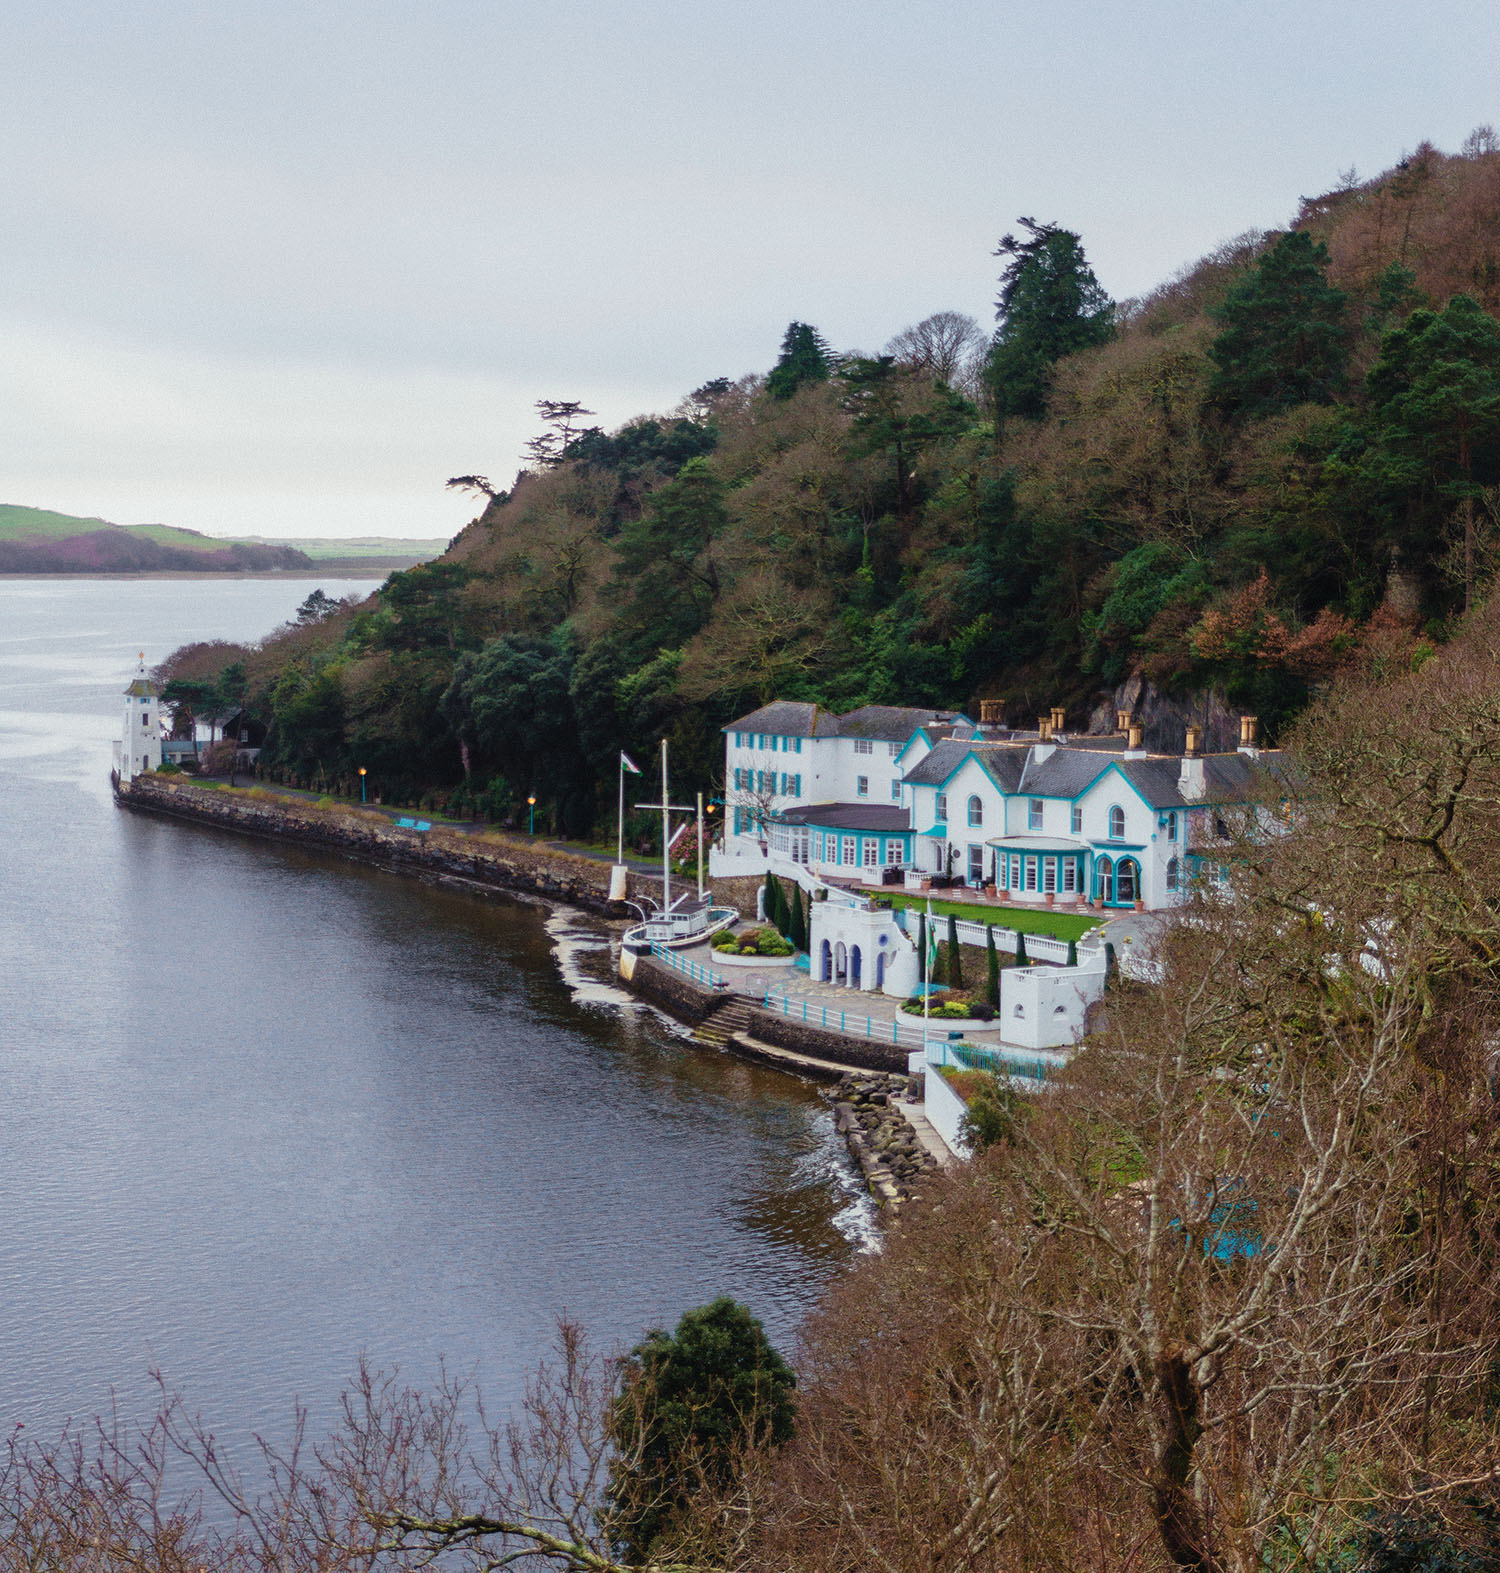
(932, 944)
(627, 763)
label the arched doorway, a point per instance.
(1104, 874)
(1127, 882)
(825, 963)
(840, 963)
(880, 970)
(854, 962)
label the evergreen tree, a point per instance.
(955, 956)
(690, 1404)
(1285, 340)
(1050, 305)
(798, 927)
(1022, 959)
(991, 967)
(775, 904)
(805, 357)
(1436, 393)
(923, 966)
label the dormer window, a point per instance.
(1117, 823)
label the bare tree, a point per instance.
(941, 345)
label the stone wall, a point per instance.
(740, 892)
(788, 1033)
(491, 860)
(687, 1001)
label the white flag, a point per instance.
(627, 763)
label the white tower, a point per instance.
(140, 742)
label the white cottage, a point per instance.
(139, 748)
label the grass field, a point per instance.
(41, 524)
(1026, 920)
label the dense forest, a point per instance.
(1220, 494)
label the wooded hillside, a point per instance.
(1286, 455)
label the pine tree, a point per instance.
(1050, 305)
(991, 967)
(805, 357)
(955, 957)
(1285, 340)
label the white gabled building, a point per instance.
(821, 790)
(1045, 817)
(139, 747)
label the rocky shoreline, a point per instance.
(881, 1140)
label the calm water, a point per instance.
(261, 1111)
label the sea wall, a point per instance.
(786, 1032)
(492, 860)
(678, 997)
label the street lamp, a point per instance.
(531, 802)
(361, 783)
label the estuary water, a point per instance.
(262, 1111)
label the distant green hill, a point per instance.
(38, 540)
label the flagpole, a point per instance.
(666, 860)
(700, 846)
(927, 980)
(620, 856)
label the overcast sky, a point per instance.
(282, 268)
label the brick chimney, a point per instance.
(991, 712)
(1059, 716)
(1045, 746)
(1190, 781)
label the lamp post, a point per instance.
(361, 783)
(531, 804)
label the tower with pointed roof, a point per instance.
(140, 739)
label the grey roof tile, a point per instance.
(884, 817)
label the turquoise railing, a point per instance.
(994, 1060)
(832, 1019)
(694, 971)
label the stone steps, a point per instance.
(725, 1023)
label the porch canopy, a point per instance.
(1037, 844)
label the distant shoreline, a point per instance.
(242, 573)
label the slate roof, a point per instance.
(883, 817)
(788, 718)
(890, 723)
(1065, 772)
(143, 688)
(1004, 762)
(1156, 780)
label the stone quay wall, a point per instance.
(802, 1038)
(489, 860)
(670, 990)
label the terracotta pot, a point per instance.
(990, 891)
(1051, 898)
(1140, 906)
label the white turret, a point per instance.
(140, 740)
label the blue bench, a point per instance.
(414, 824)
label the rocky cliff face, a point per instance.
(1166, 717)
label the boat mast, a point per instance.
(666, 847)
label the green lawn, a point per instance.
(1027, 920)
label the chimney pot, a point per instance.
(1248, 726)
(1136, 736)
(1044, 728)
(1194, 740)
(1122, 720)
(1058, 717)
(990, 712)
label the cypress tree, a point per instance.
(1022, 959)
(1072, 952)
(798, 934)
(922, 972)
(775, 904)
(991, 967)
(955, 958)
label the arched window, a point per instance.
(1172, 874)
(1117, 823)
(1172, 826)
(1127, 880)
(976, 811)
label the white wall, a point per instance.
(1047, 1007)
(875, 932)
